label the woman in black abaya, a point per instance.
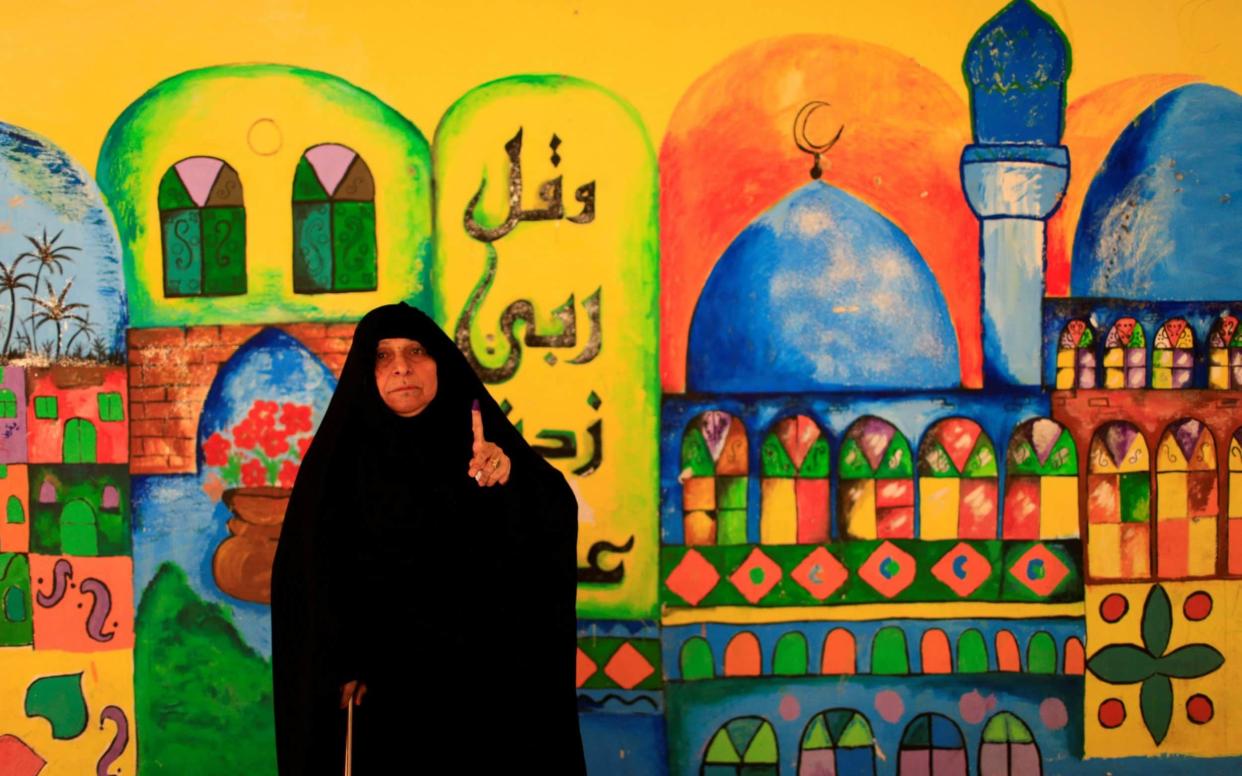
(426, 570)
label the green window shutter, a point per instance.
(79, 441)
(312, 247)
(8, 403)
(182, 235)
(46, 407)
(353, 246)
(110, 407)
(224, 251)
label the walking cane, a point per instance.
(349, 737)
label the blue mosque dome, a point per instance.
(821, 293)
(1160, 220)
(1016, 66)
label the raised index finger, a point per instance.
(476, 423)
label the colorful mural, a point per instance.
(892, 354)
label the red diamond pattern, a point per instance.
(693, 578)
(820, 573)
(586, 667)
(963, 569)
(756, 576)
(628, 668)
(889, 570)
(1039, 570)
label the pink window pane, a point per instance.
(111, 498)
(47, 493)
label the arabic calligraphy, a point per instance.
(594, 573)
(550, 193)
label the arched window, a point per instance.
(1173, 355)
(1007, 655)
(837, 741)
(111, 498)
(742, 656)
(790, 657)
(957, 482)
(8, 403)
(793, 501)
(932, 745)
(203, 228)
(15, 603)
(935, 654)
(1118, 503)
(1041, 654)
(14, 511)
(1186, 507)
(743, 746)
(1076, 356)
(696, 660)
(333, 222)
(972, 653)
(713, 479)
(79, 441)
(1075, 657)
(877, 482)
(1041, 485)
(79, 533)
(1125, 355)
(1008, 748)
(840, 653)
(1235, 502)
(47, 492)
(1225, 354)
(888, 652)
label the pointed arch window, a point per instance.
(1118, 503)
(202, 228)
(1235, 502)
(957, 482)
(1186, 507)
(932, 745)
(1076, 356)
(837, 741)
(1008, 748)
(1225, 354)
(334, 246)
(1125, 355)
(713, 479)
(742, 747)
(794, 461)
(1173, 355)
(1041, 485)
(877, 482)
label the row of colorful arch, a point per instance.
(1176, 351)
(960, 491)
(886, 653)
(841, 741)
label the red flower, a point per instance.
(296, 418)
(274, 443)
(245, 435)
(253, 474)
(263, 414)
(303, 445)
(288, 473)
(216, 450)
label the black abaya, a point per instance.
(453, 603)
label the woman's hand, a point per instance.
(489, 464)
(352, 690)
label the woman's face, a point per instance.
(405, 375)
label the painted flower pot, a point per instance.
(242, 564)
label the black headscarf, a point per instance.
(395, 568)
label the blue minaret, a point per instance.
(1014, 176)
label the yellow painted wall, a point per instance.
(71, 66)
